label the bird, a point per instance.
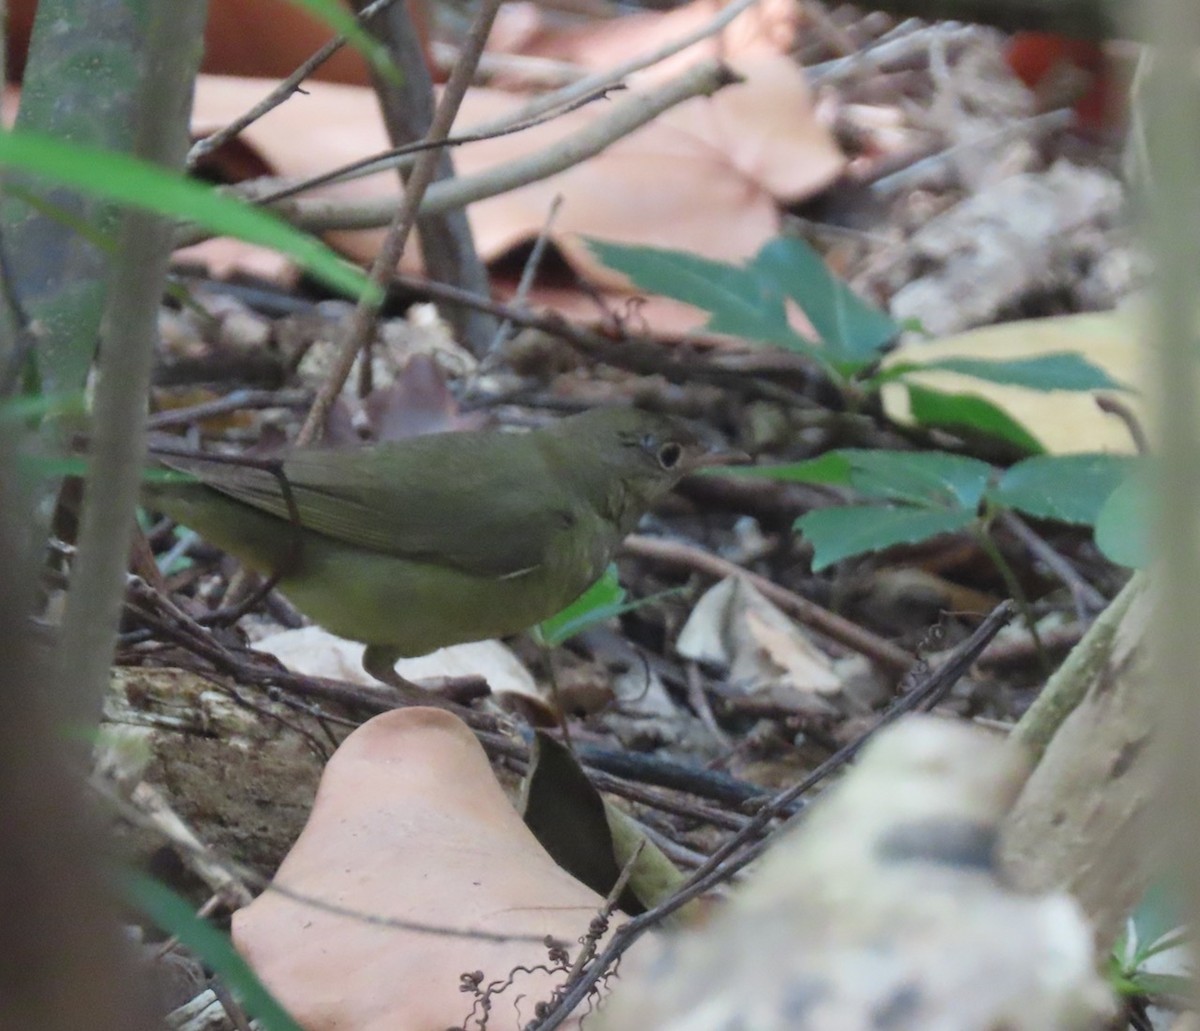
(412, 545)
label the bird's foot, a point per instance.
(444, 693)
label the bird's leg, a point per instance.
(379, 661)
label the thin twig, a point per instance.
(550, 105)
(609, 77)
(528, 275)
(366, 313)
(832, 626)
(401, 157)
(238, 400)
(1086, 597)
(626, 117)
(282, 92)
(1113, 406)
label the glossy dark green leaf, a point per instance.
(928, 479)
(1069, 488)
(967, 414)
(174, 914)
(841, 533)
(852, 331)
(740, 301)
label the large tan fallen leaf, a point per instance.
(410, 825)
(707, 177)
(1064, 422)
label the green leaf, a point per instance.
(1160, 985)
(1122, 525)
(851, 330)
(741, 302)
(30, 407)
(832, 468)
(603, 600)
(1069, 488)
(927, 479)
(126, 180)
(1157, 916)
(56, 467)
(173, 914)
(840, 533)
(345, 24)
(1059, 371)
(968, 413)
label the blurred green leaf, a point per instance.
(1157, 917)
(126, 180)
(1069, 488)
(173, 914)
(41, 406)
(345, 24)
(55, 467)
(841, 533)
(852, 331)
(968, 413)
(1160, 985)
(1123, 524)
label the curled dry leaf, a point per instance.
(409, 824)
(318, 653)
(733, 626)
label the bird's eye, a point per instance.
(669, 455)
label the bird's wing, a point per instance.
(487, 509)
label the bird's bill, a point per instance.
(721, 456)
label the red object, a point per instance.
(1039, 58)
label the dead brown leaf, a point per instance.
(708, 177)
(768, 29)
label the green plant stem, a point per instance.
(130, 331)
(1070, 682)
(983, 535)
